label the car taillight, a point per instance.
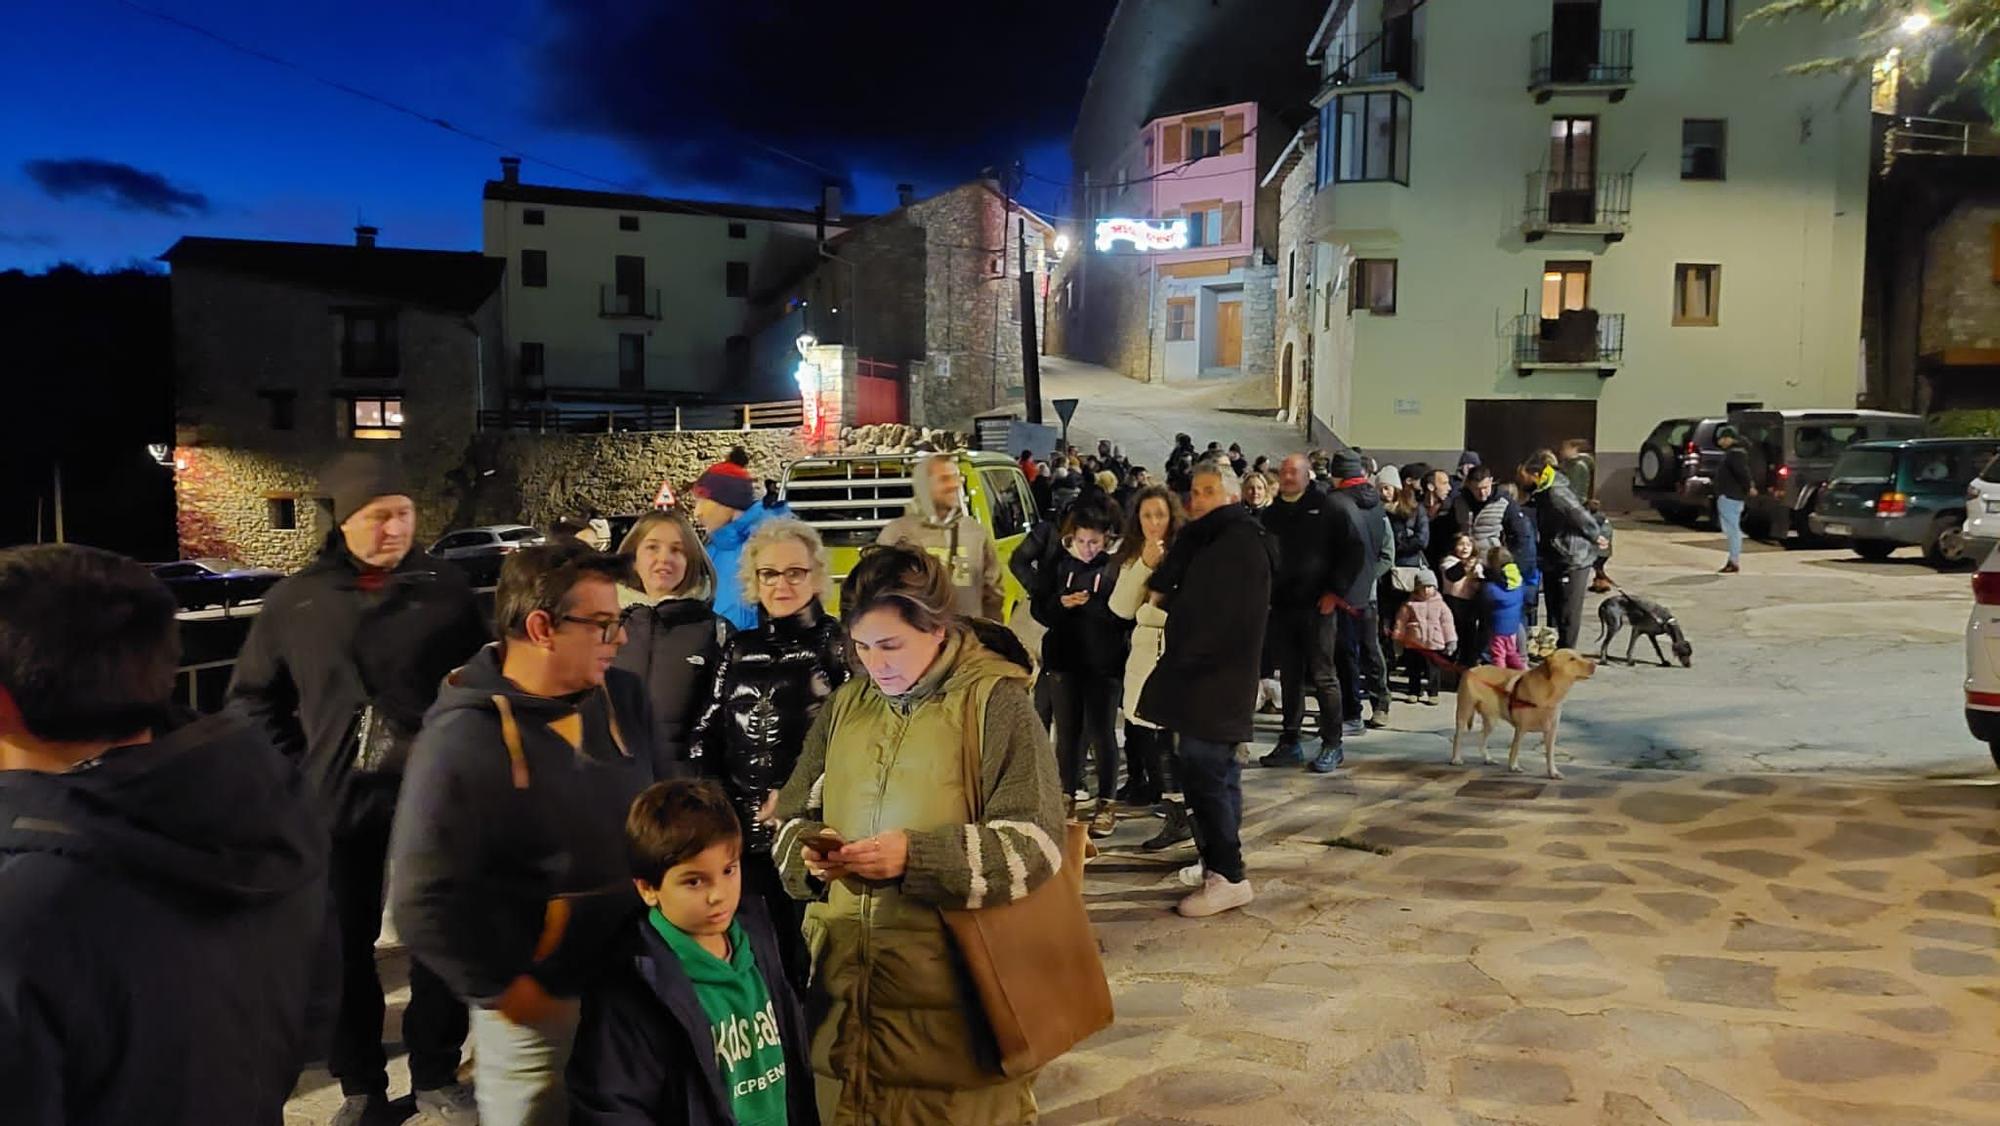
(1986, 588)
(1784, 471)
(1892, 504)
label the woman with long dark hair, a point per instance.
(1157, 517)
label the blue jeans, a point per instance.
(1729, 513)
(1212, 779)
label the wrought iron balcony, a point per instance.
(1578, 340)
(1371, 60)
(1576, 204)
(643, 304)
(1599, 64)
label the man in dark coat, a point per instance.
(1568, 537)
(1318, 552)
(162, 885)
(1215, 584)
(1363, 676)
(338, 669)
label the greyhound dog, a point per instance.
(1649, 620)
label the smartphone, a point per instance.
(823, 842)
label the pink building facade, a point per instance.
(1208, 308)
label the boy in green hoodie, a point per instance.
(698, 1023)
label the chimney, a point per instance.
(510, 169)
(906, 194)
(829, 202)
(364, 235)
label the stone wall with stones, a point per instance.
(1260, 312)
(536, 478)
(239, 342)
(1961, 307)
(1112, 317)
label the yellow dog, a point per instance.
(1531, 701)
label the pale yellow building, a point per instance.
(1537, 221)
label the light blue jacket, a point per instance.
(725, 550)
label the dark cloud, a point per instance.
(27, 240)
(119, 184)
(909, 89)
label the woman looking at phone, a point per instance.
(881, 790)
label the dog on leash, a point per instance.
(1649, 620)
(1530, 700)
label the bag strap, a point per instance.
(510, 734)
(971, 736)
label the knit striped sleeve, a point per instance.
(1015, 848)
(801, 808)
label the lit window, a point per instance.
(377, 418)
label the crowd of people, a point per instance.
(667, 841)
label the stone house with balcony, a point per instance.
(1629, 215)
(287, 353)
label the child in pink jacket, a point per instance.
(1426, 631)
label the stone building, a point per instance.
(1290, 183)
(926, 299)
(287, 353)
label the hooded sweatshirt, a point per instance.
(963, 545)
(508, 854)
(161, 913)
(1087, 639)
(742, 1019)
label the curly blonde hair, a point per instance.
(779, 531)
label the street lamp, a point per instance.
(1916, 22)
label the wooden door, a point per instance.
(1228, 334)
(1506, 431)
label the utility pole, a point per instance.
(58, 501)
(1031, 362)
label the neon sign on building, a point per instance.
(1145, 235)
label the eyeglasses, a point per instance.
(608, 628)
(793, 576)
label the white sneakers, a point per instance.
(1191, 875)
(1216, 896)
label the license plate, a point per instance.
(1993, 506)
(1839, 529)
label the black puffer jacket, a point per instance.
(768, 689)
(1358, 534)
(675, 647)
(325, 645)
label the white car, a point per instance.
(1982, 657)
(494, 539)
(1982, 512)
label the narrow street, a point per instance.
(1143, 418)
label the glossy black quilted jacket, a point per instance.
(768, 689)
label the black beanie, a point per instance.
(354, 479)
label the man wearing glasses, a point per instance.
(508, 872)
(338, 669)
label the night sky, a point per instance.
(121, 131)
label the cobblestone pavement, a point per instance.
(1434, 944)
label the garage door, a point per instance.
(1505, 431)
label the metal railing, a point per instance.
(615, 302)
(1609, 65)
(1936, 136)
(1371, 58)
(641, 417)
(1570, 339)
(1564, 199)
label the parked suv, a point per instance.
(1884, 495)
(1675, 464)
(1982, 657)
(1792, 454)
(1982, 512)
(851, 499)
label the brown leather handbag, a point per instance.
(1034, 960)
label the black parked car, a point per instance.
(201, 583)
(1675, 464)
